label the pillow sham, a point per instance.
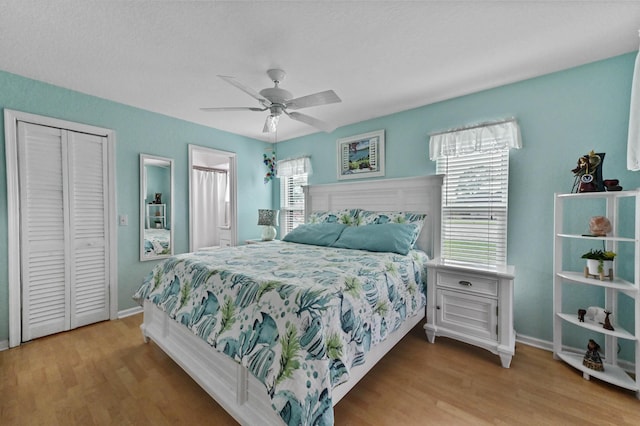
(367, 217)
(387, 237)
(345, 216)
(317, 234)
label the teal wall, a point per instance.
(137, 131)
(562, 116)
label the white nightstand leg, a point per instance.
(505, 360)
(430, 332)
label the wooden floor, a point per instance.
(104, 374)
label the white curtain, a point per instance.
(293, 167)
(481, 138)
(210, 207)
(633, 141)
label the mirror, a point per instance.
(156, 207)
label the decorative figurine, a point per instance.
(588, 173)
(592, 358)
(607, 324)
(599, 226)
(612, 185)
(581, 313)
(595, 315)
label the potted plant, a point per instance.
(599, 263)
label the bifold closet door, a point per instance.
(63, 228)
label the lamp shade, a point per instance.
(268, 217)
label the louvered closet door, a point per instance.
(88, 228)
(45, 273)
(64, 274)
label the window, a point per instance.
(293, 176)
(292, 201)
(475, 162)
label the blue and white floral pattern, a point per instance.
(156, 242)
(299, 317)
(345, 217)
(376, 218)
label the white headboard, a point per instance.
(422, 194)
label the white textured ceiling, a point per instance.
(380, 57)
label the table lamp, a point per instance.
(268, 219)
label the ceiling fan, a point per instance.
(278, 101)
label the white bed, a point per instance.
(231, 384)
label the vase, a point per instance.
(594, 268)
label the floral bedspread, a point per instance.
(156, 242)
(297, 316)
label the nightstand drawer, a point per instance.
(468, 283)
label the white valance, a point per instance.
(480, 138)
(294, 166)
(633, 141)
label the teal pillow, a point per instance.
(387, 237)
(317, 234)
(367, 217)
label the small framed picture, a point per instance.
(361, 156)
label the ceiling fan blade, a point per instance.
(318, 124)
(234, 109)
(248, 90)
(320, 98)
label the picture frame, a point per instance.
(361, 156)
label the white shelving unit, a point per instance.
(613, 372)
(156, 212)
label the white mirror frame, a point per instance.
(146, 159)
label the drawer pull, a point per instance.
(465, 283)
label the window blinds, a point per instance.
(475, 162)
(292, 201)
(474, 208)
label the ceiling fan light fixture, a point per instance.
(271, 124)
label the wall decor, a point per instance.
(361, 156)
(270, 162)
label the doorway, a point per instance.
(212, 198)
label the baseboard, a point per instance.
(535, 342)
(128, 312)
(4, 344)
(628, 366)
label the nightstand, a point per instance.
(473, 304)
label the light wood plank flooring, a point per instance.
(104, 374)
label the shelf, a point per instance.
(594, 238)
(617, 283)
(611, 374)
(589, 325)
(612, 194)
